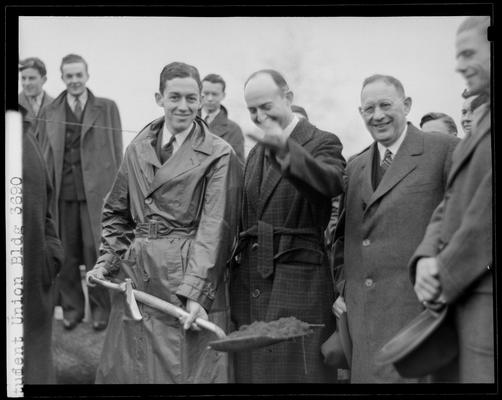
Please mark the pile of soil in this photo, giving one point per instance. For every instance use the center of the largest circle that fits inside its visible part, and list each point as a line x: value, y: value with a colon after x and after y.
x: 280, y: 328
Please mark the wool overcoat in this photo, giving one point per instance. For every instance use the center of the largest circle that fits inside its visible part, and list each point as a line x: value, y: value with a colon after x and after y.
x: 383, y: 227
x: 100, y: 150
x: 228, y: 130
x: 42, y: 259
x: 193, y: 198
x: 283, y: 269
x: 460, y: 237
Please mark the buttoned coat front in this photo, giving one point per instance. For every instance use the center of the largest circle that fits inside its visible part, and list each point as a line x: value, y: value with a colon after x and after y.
x: 100, y: 150
x: 383, y: 227
x: 275, y: 207
x: 195, y: 192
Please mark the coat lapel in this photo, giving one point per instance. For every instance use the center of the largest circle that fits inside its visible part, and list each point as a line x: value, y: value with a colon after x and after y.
x: 56, y: 115
x: 23, y: 100
x: 253, y: 175
x: 365, y: 180
x: 92, y: 110
x: 466, y: 147
x: 185, y: 159
x: 402, y: 164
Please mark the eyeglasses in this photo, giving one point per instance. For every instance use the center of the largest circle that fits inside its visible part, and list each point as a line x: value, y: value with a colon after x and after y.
x: 385, y: 105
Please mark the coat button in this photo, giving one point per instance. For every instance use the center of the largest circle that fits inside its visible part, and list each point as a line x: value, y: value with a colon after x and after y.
x: 148, y: 200
x: 256, y: 293
x: 254, y: 246
x: 366, y: 242
x: 368, y: 282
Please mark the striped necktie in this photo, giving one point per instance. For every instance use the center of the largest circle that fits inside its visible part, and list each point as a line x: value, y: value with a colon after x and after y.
x: 34, y: 105
x: 387, y: 160
x: 78, y: 108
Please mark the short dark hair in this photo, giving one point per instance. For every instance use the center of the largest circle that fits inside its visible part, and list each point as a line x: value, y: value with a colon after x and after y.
x: 432, y: 116
x: 214, y: 78
x: 480, y: 23
x: 73, y: 58
x: 275, y: 75
x: 178, y: 70
x: 35, y: 63
x: 390, y: 80
x: 299, y: 110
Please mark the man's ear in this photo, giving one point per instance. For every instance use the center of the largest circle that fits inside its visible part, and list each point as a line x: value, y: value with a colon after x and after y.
x: 44, y: 79
x: 407, y: 104
x: 159, y: 99
x: 290, y: 96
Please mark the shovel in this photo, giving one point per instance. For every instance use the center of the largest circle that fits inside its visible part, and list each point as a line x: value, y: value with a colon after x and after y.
x: 133, y: 295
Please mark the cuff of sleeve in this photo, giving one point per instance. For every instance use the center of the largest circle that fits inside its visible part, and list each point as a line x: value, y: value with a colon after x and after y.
x: 110, y: 262
x: 197, y: 289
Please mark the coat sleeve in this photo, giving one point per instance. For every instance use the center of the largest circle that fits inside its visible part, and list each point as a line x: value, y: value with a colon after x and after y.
x: 238, y: 141
x: 116, y: 133
x: 319, y: 173
x: 117, y: 222
x: 468, y: 254
x: 215, y: 235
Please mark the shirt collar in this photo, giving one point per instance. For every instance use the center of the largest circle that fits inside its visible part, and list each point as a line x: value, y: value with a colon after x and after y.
x: 394, y: 147
x: 38, y: 98
x: 292, y: 125
x: 204, y: 113
x: 179, y: 137
x: 71, y: 99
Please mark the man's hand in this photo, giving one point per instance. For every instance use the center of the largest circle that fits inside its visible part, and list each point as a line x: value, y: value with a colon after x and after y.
x: 97, y: 272
x: 195, y: 310
x: 339, y: 307
x: 271, y: 136
x: 427, y: 285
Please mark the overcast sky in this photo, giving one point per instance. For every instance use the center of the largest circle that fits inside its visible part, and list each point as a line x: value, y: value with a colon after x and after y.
x: 324, y: 60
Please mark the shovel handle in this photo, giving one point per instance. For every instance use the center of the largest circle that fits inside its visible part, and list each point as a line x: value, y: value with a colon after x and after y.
x: 162, y: 305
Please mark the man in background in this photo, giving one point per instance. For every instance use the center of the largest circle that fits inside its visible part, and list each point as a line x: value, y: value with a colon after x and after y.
x: 216, y: 115
x: 33, y: 97
x: 454, y: 262
x: 393, y: 186
x: 82, y: 141
x: 438, y: 122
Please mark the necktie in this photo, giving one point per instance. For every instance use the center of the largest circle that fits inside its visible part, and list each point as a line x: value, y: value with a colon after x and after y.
x: 78, y: 108
x: 167, y: 150
x: 387, y: 160
x: 34, y: 105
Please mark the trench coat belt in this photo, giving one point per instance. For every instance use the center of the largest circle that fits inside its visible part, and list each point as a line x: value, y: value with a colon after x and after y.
x: 156, y: 229
x: 265, y: 233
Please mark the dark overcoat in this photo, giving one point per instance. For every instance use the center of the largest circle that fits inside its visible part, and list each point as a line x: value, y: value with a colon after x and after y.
x: 228, y: 130
x: 194, y: 193
x: 42, y: 259
x: 30, y: 118
x: 383, y: 227
x: 460, y: 237
x: 283, y: 267
x: 100, y: 150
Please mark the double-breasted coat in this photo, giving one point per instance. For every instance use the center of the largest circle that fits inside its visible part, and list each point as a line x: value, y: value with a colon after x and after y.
x: 383, y: 227
x: 100, y: 150
x: 460, y: 237
x: 42, y: 259
x: 283, y: 269
x: 30, y: 118
x: 192, y: 199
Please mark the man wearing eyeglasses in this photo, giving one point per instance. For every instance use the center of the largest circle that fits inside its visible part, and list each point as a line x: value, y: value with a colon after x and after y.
x: 393, y: 187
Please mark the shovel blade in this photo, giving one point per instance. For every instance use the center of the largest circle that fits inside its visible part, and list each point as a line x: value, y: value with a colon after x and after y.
x: 132, y: 309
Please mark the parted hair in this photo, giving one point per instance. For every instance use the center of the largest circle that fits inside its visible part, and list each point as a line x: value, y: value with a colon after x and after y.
x: 214, y: 78
x: 35, y: 63
x: 390, y: 80
x: 178, y: 70
x: 450, y: 123
x: 73, y: 58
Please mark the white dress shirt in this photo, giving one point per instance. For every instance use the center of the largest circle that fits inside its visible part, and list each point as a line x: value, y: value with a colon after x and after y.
x: 394, y: 147
x: 179, y: 137
x: 211, y: 115
x: 82, y: 98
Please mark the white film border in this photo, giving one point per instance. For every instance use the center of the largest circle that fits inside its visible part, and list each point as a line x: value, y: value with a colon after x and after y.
x: 14, y: 252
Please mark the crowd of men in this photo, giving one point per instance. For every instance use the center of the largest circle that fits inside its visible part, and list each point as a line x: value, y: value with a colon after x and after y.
x: 290, y: 230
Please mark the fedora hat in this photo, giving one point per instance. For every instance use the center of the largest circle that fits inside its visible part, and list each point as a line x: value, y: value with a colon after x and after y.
x: 337, y: 349
x: 426, y: 344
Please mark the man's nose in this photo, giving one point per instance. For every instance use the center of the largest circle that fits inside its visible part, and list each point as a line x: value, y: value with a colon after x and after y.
x: 183, y: 105
x: 260, y: 116
x: 378, y: 114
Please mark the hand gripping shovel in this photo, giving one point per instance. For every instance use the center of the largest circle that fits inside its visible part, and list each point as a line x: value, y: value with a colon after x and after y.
x: 133, y: 295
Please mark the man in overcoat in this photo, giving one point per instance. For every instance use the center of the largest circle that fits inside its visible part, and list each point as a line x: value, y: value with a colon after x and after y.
x: 216, y: 115
x: 393, y: 186
x: 454, y: 262
x: 42, y: 260
x: 82, y: 140
x: 171, y: 215
x: 33, y: 98
x: 290, y: 177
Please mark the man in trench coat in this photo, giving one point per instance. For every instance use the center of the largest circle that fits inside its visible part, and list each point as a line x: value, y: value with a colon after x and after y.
x: 82, y: 140
x: 171, y: 215
x: 290, y: 177
x: 454, y: 262
x: 389, y: 200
